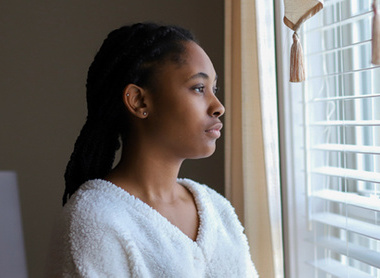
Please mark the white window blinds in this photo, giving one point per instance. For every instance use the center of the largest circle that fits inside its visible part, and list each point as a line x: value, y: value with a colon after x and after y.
x: 335, y: 135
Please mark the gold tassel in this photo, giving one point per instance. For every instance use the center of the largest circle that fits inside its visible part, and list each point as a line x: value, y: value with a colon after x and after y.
x: 297, y: 69
x: 375, y: 35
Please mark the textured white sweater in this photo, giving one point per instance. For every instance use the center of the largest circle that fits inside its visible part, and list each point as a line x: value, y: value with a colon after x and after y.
x: 106, y: 232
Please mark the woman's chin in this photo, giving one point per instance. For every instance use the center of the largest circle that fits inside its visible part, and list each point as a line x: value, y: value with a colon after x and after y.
x: 209, y: 151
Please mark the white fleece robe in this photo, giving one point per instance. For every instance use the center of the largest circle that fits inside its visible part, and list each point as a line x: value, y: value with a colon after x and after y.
x: 104, y: 231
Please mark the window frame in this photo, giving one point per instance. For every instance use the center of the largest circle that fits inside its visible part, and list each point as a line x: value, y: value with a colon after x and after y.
x: 290, y: 171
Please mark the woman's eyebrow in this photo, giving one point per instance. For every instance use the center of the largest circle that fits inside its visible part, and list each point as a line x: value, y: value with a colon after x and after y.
x: 202, y: 75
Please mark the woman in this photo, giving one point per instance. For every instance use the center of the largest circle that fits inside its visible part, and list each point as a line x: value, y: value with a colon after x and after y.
x: 154, y: 87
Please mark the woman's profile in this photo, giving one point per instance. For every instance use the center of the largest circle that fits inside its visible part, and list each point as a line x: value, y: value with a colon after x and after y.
x: 151, y: 90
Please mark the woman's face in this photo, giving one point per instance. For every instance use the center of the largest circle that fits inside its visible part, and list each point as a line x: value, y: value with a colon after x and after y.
x: 184, y: 117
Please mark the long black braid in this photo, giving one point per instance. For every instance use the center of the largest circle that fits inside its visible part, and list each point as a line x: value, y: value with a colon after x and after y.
x: 129, y: 55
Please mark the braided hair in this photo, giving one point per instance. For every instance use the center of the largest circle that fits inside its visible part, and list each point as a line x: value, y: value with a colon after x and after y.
x: 129, y: 55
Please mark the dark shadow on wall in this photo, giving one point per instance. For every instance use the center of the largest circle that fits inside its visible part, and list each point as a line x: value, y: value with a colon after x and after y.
x: 46, y: 48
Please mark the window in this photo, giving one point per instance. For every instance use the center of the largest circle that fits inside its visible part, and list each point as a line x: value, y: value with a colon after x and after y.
x: 331, y: 146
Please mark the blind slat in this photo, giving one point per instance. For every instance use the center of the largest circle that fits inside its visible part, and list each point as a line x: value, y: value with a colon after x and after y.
x: 348, y: 173
x: 335, y: 268
x: 348, y: 148
x: 349, y: 199
x: 356, y: 252
x: 346, y: 123
x: 353, y: 97
x: 346, y: 21
x: 331, y: 3
x: 336, y: 50
x: 341, y: 73
x: 349, y: 224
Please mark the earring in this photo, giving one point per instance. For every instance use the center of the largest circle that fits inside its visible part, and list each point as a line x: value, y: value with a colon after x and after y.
x: 127, y: 95
x: 144, y: 113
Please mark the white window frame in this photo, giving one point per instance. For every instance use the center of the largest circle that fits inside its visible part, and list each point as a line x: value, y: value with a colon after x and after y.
x: 292, y: 173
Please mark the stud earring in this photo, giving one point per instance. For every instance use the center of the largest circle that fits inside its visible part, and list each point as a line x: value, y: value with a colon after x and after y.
x: 144, y: 113
x: 127, y: 95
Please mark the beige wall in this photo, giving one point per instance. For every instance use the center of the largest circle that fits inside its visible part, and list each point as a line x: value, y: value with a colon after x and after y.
x: 45, y: 50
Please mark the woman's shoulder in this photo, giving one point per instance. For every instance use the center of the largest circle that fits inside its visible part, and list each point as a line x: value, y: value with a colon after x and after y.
x: 93, y: 190
x: 95, y: 199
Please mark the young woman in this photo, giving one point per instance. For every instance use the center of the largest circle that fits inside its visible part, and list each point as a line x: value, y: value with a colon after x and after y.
x: 154, y: 87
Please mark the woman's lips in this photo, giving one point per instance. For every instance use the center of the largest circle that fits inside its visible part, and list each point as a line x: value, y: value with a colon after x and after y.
x: 214, y: 130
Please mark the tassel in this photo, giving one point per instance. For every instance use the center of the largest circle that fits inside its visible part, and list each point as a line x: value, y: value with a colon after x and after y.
x: 375, y: 35
x: 297, y: 69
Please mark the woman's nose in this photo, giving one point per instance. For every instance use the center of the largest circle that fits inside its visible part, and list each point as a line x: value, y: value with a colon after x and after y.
x: 216, y: 108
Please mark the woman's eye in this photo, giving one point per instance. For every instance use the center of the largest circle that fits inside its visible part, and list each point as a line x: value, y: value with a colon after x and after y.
x: 215, y: 89
x: 199, y: 89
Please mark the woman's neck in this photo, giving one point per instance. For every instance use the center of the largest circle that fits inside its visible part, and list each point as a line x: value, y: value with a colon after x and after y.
x: 147, y: 173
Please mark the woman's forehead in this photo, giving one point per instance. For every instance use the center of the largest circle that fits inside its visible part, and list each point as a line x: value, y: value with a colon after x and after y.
x: 195, y: 64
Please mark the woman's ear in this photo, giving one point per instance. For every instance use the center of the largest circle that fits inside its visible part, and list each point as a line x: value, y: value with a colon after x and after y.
x: 135, y: 99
